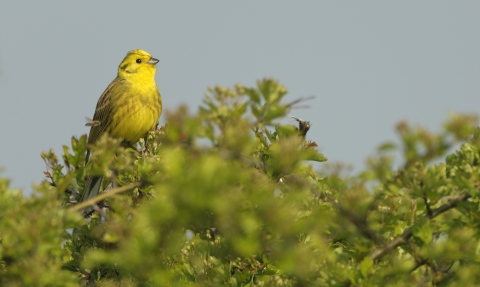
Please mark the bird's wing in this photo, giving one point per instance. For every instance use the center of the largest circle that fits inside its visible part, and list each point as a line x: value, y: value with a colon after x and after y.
x: 103, y: 111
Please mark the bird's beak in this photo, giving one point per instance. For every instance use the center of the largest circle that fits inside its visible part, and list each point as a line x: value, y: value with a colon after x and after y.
x: 153, y: 61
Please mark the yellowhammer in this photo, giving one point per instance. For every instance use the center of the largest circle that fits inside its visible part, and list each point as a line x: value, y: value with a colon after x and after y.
x: 129, y: 107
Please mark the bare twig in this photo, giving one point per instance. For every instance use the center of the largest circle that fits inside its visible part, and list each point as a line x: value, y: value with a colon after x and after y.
x: 402, y: 239
x: 299, y: 100
x: 104, y: 195
x: 429, y: 210
x: 418, y: 264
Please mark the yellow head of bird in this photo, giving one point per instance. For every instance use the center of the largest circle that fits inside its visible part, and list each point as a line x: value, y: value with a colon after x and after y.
x: 137, y: 63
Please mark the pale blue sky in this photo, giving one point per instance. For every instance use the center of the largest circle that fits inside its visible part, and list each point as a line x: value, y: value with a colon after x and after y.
x: 369, y: 64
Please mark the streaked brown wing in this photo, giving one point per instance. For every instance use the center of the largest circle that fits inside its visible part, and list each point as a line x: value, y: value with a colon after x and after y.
x: 103, y: 112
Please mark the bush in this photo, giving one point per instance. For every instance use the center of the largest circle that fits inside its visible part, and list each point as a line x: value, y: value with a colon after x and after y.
x: 227, y: 197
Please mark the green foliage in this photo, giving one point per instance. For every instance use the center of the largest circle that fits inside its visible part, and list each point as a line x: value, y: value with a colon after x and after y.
x: 32, y: 233
x: 230, y: 198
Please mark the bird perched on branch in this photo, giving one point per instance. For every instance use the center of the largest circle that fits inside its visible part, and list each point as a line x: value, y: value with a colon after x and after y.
x: 128, y: 108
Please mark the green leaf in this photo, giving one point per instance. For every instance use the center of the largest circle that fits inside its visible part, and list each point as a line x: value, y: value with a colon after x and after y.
x: 365, y: 266
x: 253, y: 94
x: 423, y: 230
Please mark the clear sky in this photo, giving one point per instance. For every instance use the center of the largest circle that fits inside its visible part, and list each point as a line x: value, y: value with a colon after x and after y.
x: 369, y: 64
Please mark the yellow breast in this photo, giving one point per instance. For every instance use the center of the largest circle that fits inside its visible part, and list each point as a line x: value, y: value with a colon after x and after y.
x: 137, y: 112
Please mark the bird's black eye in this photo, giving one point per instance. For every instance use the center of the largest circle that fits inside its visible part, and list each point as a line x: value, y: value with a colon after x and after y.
x: 138, y: 61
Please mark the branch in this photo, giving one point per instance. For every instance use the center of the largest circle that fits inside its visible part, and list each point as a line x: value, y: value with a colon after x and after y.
x: 104, y: 195
x: 377, y: 254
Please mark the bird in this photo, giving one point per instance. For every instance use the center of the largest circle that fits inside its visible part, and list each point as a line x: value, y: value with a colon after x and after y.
x: 128, y: 109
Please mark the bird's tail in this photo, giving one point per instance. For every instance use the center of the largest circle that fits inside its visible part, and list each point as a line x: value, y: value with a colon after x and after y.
x: 92, y: 188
